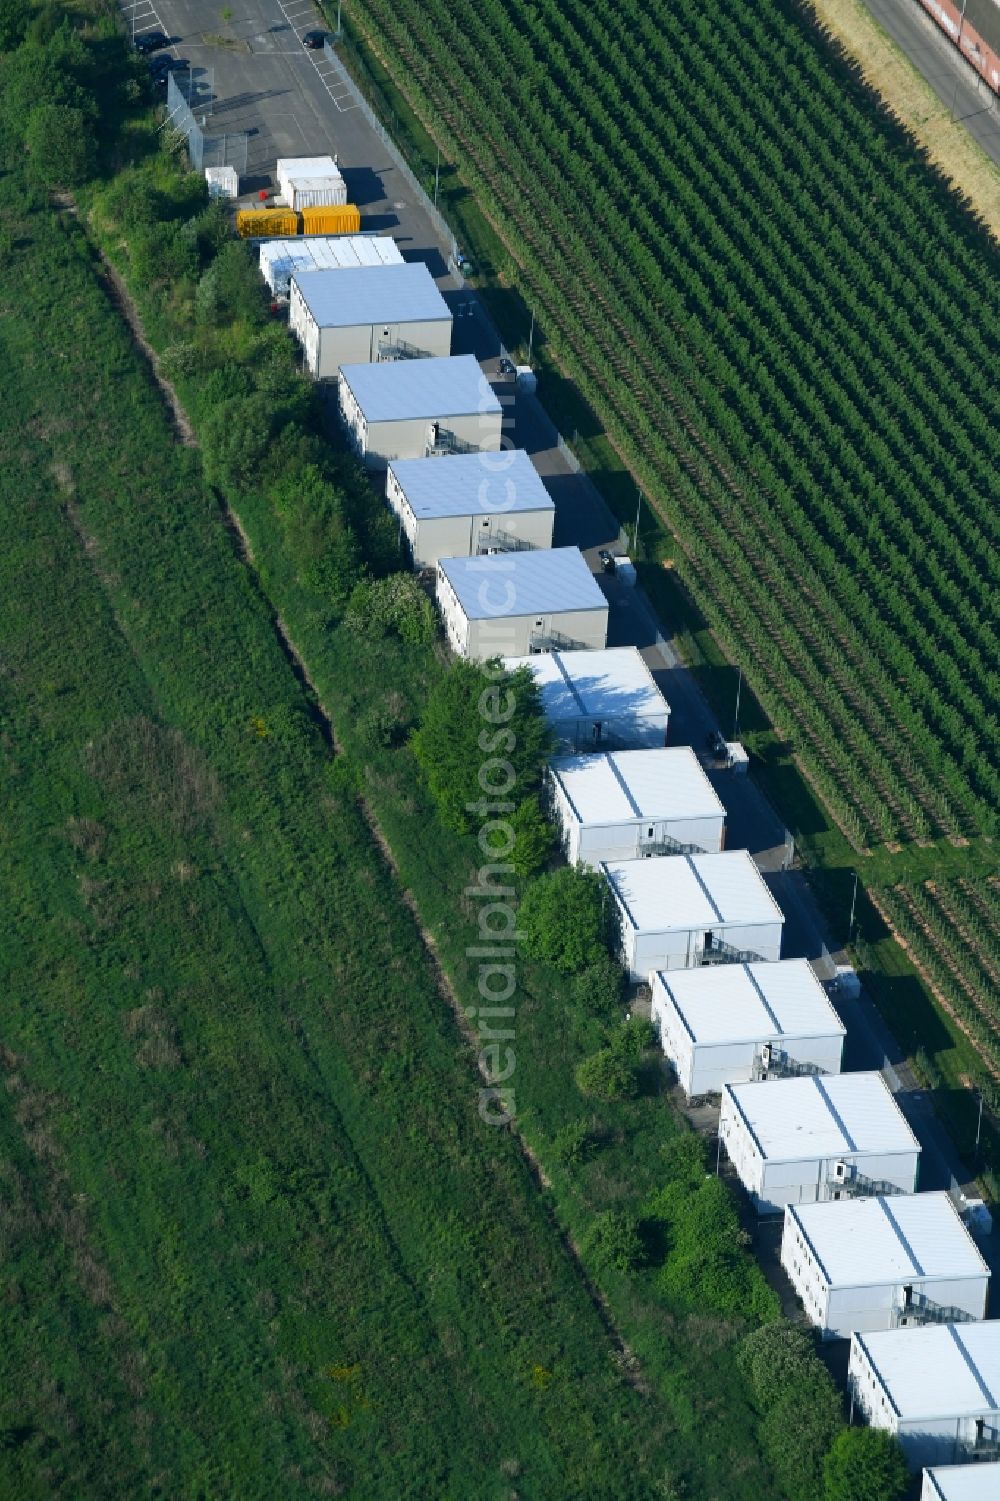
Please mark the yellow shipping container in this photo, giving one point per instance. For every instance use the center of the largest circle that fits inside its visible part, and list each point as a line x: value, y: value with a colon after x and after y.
x: 265, y: 223
x: 332, y: 219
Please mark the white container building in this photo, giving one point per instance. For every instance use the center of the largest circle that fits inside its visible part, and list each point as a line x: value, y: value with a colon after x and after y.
x: 280, y: 258
x: 975, y: 1482
x: 511, y: 603
x: 412, y: 409
x: 684, y: 910
x: 796, y: 1141
x: 310, y: 182
x: 860, y: 1265
x: 470, y: 503
x: 937, y: 1389
x: 730, y: 1023
x: 367, y: 313
x: 624, y: 805
x: 222, y: 182
x: 599, y: 700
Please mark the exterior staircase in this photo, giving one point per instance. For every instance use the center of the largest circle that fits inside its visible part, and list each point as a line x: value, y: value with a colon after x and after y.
x: 554, y: 641
x: 725, y: 953
x: 448, y: 443
x: 504, y: 542
x: 665, y: 845
x: 923, y: 1310
x: 777, y: 1064
x: 401, y: 350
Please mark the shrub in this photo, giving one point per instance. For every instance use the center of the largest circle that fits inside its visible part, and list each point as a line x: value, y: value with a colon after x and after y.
x: 572, y: 1143
x: 614, y: 1241
x: 392, y: 606
x: 13, y: 24
x: 800, y: 1405
x: 59, y: 141
x: 864, y: 1464
x: 534, y: 837
x: 597, y: 990
x: 607, y: 1075
x: 482, y: 742
x: 235, y: 436
x: 709, y: 1265
x: 563, y: 919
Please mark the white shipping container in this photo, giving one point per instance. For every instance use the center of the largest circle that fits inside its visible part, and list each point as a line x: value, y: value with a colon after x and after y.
x: 223, y: 182
x: 310, y: 182
x: 280, y: 259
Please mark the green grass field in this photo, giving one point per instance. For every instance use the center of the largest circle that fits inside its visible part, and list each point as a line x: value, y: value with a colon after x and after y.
x: 262, y: 1241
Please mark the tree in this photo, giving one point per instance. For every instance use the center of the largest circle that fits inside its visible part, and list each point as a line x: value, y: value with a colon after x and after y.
x: 482, y: 744
x: 14, y: 17
x: 235, y: 436
x: 563, y: 919
x: 709, y: 1264
x: 60, y: 144
x: 597, y: 990
x: 534, y: 837
x: 614, y: 1241
x: 864, y: 1464
x: 607, y: 1075
x: 392, y: 606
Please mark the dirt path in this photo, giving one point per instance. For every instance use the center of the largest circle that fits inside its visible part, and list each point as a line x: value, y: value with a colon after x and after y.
x: 912, y: 100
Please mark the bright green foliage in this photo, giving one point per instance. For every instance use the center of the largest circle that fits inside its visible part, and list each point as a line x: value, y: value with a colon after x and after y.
x: 572, y: 1143
x: 800, y: 1406
x: 395, y: 605
x: 482, y: 740
x: 608, y: 1074
x: 864, y: 1464
x: 60, y: 145
x: 614, y: 1241
x: 534, y: 837
x: 597, y: 990
x: 563, y: 919
x: 709, y: 1265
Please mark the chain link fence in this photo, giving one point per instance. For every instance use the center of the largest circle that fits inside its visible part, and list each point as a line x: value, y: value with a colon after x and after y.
x: 189, y: 104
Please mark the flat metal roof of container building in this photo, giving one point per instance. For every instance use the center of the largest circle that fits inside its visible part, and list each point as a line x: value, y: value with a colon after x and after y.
x: 978, y: 1482
x: 622, y: 786
x: 838, y: 1115
x: 353, y: 296
x: 867, y: 1242
x: 575, y: 684
x: 467, y: 484
x: 677, y: 893
x: 306, y: 170
x: 546, y: 581
x: 428, y: 390
x: 728, y: 1003
x: 939, y: 1370
x: 329, y: 252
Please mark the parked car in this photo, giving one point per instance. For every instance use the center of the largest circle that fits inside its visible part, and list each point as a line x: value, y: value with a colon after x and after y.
x: 506, y: 366
x: 314, y: 40
x: 716, y: 743
x: 150, y: 41
x: 607, y: 558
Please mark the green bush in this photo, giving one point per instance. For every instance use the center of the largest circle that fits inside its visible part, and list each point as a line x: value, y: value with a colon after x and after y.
x: 597, y: 990
x: 563, y: 919
x: 607, y: 1074
x: 864, y: 1464
x: 709, y: 1264
x: 614, y: 1241
x: 800, y: 1406
x: 482, y: 742
x: 235, y: 436
x: 392, y: 606
x: 59, y: 142
x: 572, y: 1143
x: 534, y: 837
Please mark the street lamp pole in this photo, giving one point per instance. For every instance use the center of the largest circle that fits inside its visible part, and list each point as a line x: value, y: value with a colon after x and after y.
x: 635, y: 539
x: 854, y: 897
x: 437, y: 177
x: 736, y: 716
x: 531, y: 335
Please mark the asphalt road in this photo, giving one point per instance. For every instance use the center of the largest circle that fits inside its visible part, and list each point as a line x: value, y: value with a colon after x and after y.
x: 296, y: 103
x: 968, y: 97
